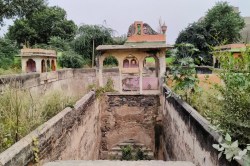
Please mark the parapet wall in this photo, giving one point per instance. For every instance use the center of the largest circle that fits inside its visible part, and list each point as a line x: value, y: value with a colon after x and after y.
x: 70, y: 81
x: 187, y: 136
x: 73, y: 134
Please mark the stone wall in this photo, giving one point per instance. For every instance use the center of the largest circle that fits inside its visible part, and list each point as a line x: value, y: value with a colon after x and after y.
x: 128, y: 117
x: 70, y: 81
x: 186, y: 135
x: 112, y: 73
x: 72, y: 134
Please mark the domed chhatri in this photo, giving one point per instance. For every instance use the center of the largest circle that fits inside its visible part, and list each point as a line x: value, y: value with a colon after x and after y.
x: 141, y: 60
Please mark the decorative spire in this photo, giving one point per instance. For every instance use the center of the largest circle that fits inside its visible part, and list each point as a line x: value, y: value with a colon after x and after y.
x: 164, y: 28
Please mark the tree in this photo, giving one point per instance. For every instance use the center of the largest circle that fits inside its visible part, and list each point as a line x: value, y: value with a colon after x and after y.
x: 224, y: 23
x: 220, y: 25
x: 185, y: 50
x: 70, y: 59
x: 59, y: 44
x: 89, y: 37
x: 8, y: 50
x: 25, y: 8
x: 41, y: 26
x: 200, y: 38
x: 184, y: 76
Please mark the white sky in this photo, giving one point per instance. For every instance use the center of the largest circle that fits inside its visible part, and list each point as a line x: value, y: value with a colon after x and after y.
x: 120, y: 14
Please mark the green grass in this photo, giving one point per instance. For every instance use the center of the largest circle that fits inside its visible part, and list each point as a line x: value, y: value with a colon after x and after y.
x: 152, y: 60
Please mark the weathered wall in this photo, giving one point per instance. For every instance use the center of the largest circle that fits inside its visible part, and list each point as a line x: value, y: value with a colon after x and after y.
x: 186, y: 135
x: 72, y: 134
x: 112, y: 73
x: 70, y: 81
x: 125, y: 117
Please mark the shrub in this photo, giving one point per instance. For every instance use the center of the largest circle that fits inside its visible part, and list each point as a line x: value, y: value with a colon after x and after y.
x: 70, y: 59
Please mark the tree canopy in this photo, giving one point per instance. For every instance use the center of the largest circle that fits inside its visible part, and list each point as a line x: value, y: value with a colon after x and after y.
x: 221, y: 25
x: 8, y: 50
x: 70, y: 59
x: 224, y: 23
x: 86, y: 34
x: 41, y: 26
x: 25, y: 8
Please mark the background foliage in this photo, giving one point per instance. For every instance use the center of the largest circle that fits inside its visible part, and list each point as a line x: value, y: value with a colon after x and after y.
x: 41, y: 25
x: 221, y: 24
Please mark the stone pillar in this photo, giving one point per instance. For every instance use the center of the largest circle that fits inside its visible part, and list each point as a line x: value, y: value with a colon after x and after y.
x: 38, y: 64
x: 24, y: 63
x: 100, y: 75
x: 140, y: 72
x: 162, y: 63
x: 162, y: 68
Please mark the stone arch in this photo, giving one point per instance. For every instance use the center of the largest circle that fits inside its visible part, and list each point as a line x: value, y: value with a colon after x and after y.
x: 125, y: 63
x: 150, y: 77
x: 110, y: 61
x: 30, y: 66
x: 134, y: 63
x: 43, y: 66
x: 130, y: 62
x: 151, y: 65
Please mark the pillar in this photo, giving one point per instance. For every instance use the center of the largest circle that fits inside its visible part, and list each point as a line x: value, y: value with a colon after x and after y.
x: 100, y: 75
x: 140, y: 72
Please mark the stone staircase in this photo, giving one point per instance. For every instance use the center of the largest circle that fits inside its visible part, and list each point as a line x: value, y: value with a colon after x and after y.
x: 119, y: 163
x: 116, y: 152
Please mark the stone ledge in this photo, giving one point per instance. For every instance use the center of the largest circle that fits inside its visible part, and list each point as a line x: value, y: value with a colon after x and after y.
x: 119, y: 163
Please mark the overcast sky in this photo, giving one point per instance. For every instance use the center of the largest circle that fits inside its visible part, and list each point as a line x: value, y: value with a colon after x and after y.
x: 119, y: 14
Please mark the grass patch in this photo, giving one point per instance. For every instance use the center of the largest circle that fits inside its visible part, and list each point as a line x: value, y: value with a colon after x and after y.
x: 152, y: 60
x: 10, y: 71
x: 20, y: 112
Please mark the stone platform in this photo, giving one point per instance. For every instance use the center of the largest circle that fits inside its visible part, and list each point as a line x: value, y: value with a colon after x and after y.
x: 118, y: 163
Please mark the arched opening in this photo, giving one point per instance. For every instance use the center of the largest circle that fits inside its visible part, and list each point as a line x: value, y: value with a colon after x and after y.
x: 130, y: 62
x: 125, y: 63
x: 30, y: 66
x: 53, y: 65
x: 134, y: 63
x: 43, y: 66
x: 150, y: 80
x: 48, y: 65
x: 151, y: 66
x: 110, y: 62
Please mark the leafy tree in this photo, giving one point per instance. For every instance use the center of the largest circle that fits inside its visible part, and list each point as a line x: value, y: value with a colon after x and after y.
x: 224, y: 23
x: 25, y: 8
x: 110, y: 61
x: 220, y: 25
x: 70, y: 59
x: 184, y: 76
x: 89, y: 36
x: 59, y: 44
x: 200, y: 38
x: 41, y: 26
x: 184, y: 50
x: 8, y: 50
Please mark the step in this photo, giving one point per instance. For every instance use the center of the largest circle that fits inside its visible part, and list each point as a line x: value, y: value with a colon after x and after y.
x: 118, y: 163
